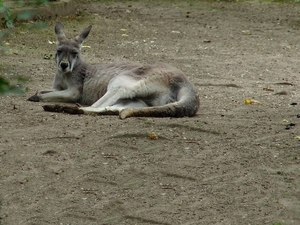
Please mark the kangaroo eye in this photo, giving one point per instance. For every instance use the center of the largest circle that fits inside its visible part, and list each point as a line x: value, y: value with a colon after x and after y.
x: 59, y: 51
x: 74, y: 53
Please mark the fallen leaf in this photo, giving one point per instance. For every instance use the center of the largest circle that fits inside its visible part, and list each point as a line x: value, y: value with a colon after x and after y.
x: 153, y: 136
x: 48, y: 56
x: 268, y: 89
x: 249, y: 101
x: 247, y: 32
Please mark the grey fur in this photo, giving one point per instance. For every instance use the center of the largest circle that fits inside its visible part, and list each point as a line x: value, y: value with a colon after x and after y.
x: 124, y: 88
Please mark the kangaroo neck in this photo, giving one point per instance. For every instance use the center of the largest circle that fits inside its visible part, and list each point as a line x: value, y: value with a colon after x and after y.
x: 80, y: 65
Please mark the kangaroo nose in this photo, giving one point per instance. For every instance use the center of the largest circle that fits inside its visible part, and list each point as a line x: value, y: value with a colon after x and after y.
x: 64, y: 65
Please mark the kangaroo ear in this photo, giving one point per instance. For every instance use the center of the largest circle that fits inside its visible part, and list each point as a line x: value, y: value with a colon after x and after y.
x: 59, y: 31
x: 80, y: 38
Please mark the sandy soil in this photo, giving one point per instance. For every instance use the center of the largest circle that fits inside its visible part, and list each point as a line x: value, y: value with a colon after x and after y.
x: 231, y: 164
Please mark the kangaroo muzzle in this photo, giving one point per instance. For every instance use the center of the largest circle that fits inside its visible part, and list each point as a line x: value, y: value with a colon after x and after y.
x: 64, y: 65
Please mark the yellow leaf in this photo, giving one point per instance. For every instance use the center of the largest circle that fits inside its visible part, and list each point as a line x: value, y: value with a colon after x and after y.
x: 249, y: 101
x: 153, y: 136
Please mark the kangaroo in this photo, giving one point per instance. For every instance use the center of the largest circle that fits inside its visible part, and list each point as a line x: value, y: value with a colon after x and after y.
x: 127, y: 89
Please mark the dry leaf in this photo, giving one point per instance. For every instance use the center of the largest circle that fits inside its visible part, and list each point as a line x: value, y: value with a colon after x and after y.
x: 249, y: 101
x: 153, y: 136
x: 268, y: 89
x: 247, y: 32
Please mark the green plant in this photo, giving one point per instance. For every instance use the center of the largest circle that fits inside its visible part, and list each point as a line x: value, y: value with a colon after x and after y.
x: 8, y: 20
x: 6, y: 87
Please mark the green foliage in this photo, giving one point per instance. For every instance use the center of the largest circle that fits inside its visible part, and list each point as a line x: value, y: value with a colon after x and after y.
x: 6, y: 88
x: 8, y: 18
x: 8, y: 21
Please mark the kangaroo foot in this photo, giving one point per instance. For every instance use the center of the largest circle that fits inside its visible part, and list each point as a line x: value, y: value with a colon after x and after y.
x: 63, y: 109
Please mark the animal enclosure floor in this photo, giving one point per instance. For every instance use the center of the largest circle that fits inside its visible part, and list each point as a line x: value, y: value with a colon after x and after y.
x: 233, y: 163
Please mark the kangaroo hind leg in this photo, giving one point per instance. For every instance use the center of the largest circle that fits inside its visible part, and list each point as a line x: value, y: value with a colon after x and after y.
x: 121, y: 87
x: 116, y: 108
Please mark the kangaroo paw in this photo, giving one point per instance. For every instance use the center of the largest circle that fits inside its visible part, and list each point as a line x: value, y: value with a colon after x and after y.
x: 34, y: 98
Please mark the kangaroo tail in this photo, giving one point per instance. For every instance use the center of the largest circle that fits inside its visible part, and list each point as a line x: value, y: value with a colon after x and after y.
x: 187, y: 104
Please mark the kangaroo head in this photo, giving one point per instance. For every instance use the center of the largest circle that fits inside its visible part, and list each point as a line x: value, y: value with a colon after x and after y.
x: 68, y: 50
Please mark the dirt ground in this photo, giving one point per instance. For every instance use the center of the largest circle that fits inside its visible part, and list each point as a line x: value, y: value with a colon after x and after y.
x: 230, y: 164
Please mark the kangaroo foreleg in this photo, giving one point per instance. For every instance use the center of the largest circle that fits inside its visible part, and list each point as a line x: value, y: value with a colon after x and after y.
x: 69, y: 95
x: 36, y: 98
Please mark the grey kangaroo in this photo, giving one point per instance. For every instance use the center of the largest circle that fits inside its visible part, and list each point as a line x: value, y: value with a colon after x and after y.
x: 126, y: 89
